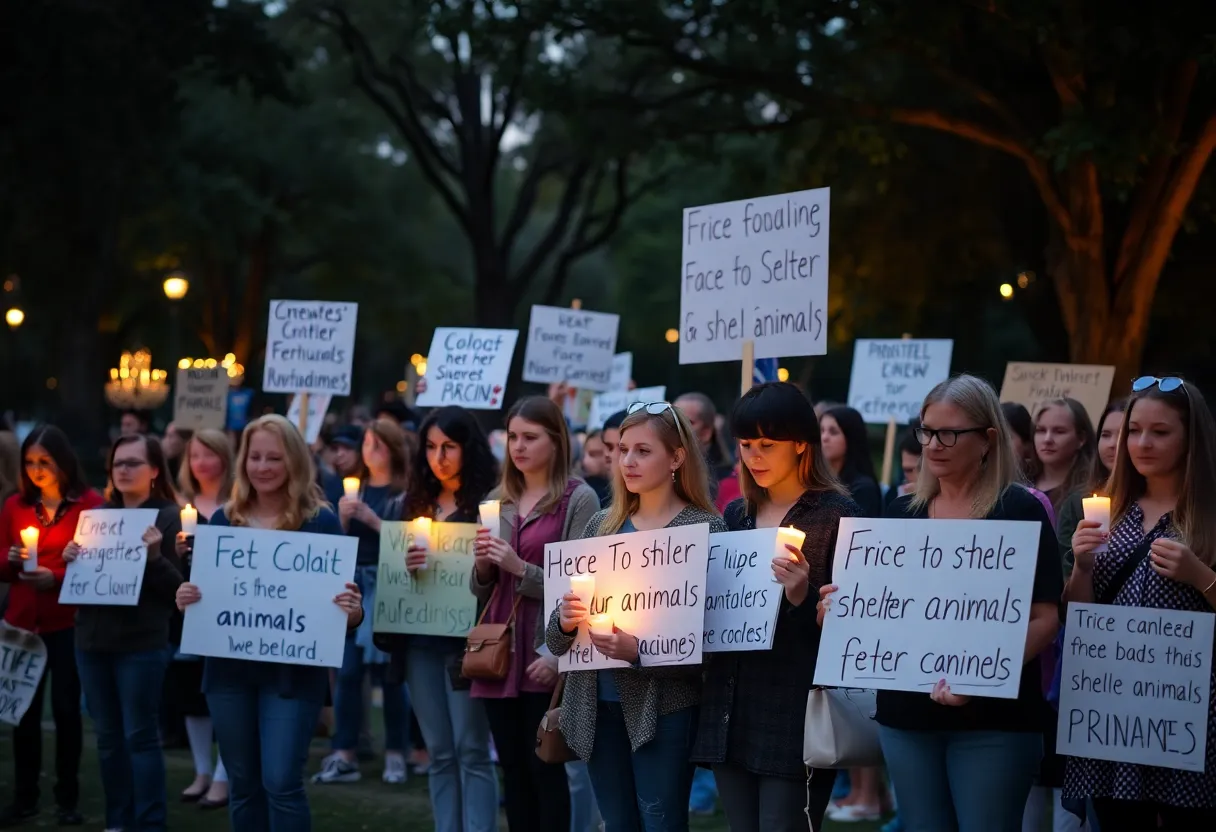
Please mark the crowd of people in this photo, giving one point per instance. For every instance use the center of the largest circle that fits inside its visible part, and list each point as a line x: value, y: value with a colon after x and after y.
x: 652, y: 744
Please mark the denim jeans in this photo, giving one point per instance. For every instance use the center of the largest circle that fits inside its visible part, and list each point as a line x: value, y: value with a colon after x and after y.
x: 122, y: 691
x: 644, y: 790
x: 264, y: 739
x: 348, y: 703
x: 584, y: 812
x: 961, y: 781
x: 462, y: 779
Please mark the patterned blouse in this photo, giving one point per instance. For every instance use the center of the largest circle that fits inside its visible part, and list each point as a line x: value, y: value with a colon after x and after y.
x: 1146, y: 588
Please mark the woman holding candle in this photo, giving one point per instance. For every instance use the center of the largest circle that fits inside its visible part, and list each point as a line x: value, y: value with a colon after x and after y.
x: 751, y: 699
x: 1065, y: 447
x: 53, y: 493
x: 453, y: 473
x: 967, y: 762
x: 376, y: 494
x: 635, y: 726
x: 1160, y: 554
x: 122, y: 651
x: 540, y: 504
x: 265, y: 712
x: 204, y: 482
x: 1073, y: 509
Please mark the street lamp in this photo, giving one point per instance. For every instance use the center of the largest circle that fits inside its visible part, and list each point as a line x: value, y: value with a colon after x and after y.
x: 14, y: 318
x: 176, y: 286
x: 672, y: 336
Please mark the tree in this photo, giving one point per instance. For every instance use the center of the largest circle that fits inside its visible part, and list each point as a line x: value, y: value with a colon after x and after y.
x: 1110, y: 109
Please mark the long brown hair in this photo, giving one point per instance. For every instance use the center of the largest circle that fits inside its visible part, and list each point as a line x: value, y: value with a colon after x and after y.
x: 1192, y: 519
x: 162, y: 480
x: 216, y: 442
x: 540, y: 410
x: 1099, y: 477
x: 304, y: 498
x: 691, y: 478
x: 391, y: 435
x: 1083, y: 462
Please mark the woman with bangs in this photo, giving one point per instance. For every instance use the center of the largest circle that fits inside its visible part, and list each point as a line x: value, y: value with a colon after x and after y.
x: 960, y: 762
x: 634, y: 726
x: 265, y: 712
x: 751, y: 699
x: 1161, y: 550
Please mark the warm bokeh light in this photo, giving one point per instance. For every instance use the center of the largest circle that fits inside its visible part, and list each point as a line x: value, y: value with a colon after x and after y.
x: 402, y: 387
x: 176, y: 287
x: 14, y: 317
x: 1006, y: 290
x: 420, y: 368
x: 672, y: 336
x: 783, y: 374
x: 416, y: 359
x: 184, y: 364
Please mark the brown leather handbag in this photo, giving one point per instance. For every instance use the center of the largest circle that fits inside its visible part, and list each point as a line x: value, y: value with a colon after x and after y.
x: 488, y: 647
x: 550, y: 742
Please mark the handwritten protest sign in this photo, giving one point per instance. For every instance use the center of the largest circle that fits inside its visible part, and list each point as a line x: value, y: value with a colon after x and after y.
x: 468, y: 367
x: 1135, y: 684
x: 318, y: 406
x: 742, y: 597
x: 606, y: 404
x: 434, y: 601
x: 113, y: 557
x: 622, y: 372
x: 923, y: 600
x: 892, y: 376
x: 310, y: 347
x: 22, y: 663
x: 1033, y: 385
x: 268, y: 596
x: 200, y: 398
x: 574, y: 346
x: 755, y: 269
x: 650, y: 584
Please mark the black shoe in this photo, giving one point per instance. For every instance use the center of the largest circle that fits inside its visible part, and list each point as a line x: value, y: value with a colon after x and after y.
x: 15, y: 815
x: 70, y: 817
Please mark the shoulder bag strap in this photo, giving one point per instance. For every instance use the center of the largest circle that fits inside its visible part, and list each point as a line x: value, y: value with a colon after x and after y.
x: 1125, y: 572
x: 556, y: 699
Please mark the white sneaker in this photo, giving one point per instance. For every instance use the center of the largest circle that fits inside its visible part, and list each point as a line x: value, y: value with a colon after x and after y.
x: 334, y: 769
x: 854, y: 814
x: 394, y: 770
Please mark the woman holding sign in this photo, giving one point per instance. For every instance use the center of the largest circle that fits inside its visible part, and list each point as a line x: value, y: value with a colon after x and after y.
x: 1160, y: 553
x: 122, y: 651
x: 541, y: 503
x: 265, y: 712
x: 961, y: 762
x: 635, y: 726
x: 751, y: 699
x: 53, y: 494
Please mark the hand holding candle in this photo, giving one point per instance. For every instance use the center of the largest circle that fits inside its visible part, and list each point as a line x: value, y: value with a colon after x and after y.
x: 791, y: 536
x: 490, y: 512
x: 584, y: 587
x: 1097, y: 510
x: 420, y: 530
x: 600, y: 624
x: 189, y: 516
x: 29, y: 540
x: 350, y: 487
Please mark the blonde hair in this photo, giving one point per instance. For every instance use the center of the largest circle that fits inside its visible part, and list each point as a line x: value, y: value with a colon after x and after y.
x: 217, y: 442
x: 392, y: 436
x: 540, y: 410
x: 1083, y: 463
x: 691, y: 478
x: 998, y: 470
x: 304, y: 498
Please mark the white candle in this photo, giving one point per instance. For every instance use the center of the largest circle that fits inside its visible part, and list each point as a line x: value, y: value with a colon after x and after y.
x: 350, y: 486
x: 29, y: 540
x: 189, y: 519
x: 490, y: 513
x: 792, y: 536
x: 420, y: 528
x: 600, y: 624
x: 1097, y: 509
x: 584, y: 587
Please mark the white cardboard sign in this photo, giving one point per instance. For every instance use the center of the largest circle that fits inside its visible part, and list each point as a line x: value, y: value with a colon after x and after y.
x: 622, y: 372
x: 1033, y: 385
x: 268, y: 596
x: 318, y: 406
x: 742, y: 597
x: 310, y: 347
x: 755, y: 269
x: 892, y: 376
x: 468, y: 367
x: 200, y: 398
x: 22, y: 663
x: 113, y: 557
x: 570, y: 345
x: 924, y: 600
x: 1135, y: 683
x: 606, y: 404
x: 651, y: 583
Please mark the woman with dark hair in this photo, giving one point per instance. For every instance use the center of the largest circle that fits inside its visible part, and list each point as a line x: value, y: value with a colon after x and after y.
x: 750, y: 699
x: 1021, y: 438
x: 122, y: 651
x: 1072, y: 511
x: 53, y: 493
x: 846, y: 447
x: 453, y: 473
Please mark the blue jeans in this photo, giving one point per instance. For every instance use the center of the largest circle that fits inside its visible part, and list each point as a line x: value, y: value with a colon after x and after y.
x: 961, y: 781
x: 462, y: 779
x: 264, y: 739
x: 348, y: 703
x: 584, y: 813
x: 123, y: 691
x: 644, y: 790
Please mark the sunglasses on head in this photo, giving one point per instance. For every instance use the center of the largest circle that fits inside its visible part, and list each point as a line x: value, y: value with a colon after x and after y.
x: 657, y: 409
x: 1167, y: 384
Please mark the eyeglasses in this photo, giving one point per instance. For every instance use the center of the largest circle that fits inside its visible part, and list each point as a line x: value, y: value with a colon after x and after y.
x: 1168, y: 384
x: 658, y: 409
x: 128, y: 464
x: 946, y: 437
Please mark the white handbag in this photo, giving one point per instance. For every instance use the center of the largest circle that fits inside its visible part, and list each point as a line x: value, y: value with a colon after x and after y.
x: 840, y: 731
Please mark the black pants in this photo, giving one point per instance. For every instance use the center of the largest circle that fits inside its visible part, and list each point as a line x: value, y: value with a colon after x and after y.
x: 65, y: 707
x: 1138, y: 816
x: 757, y: 803
x: 537, y: 793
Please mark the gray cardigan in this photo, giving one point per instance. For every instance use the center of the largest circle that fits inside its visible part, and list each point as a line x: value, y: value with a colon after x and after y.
x: 646, y: 693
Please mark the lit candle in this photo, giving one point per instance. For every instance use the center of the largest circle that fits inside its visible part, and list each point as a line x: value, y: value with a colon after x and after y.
x: 584, y: 587
x: 792, y: 536
x: 350, y: 485
x: 1098, y: 509
x: 600, y: 624
x: 489, y: 512
x: 420, y: 528
x: 29, y: 539
x: 189, y: 519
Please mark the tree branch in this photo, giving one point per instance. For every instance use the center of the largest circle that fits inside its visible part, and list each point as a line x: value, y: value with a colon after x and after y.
x: 523, y: 276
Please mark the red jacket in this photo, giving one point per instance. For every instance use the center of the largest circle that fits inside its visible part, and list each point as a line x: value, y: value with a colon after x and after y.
x: 29, y: 609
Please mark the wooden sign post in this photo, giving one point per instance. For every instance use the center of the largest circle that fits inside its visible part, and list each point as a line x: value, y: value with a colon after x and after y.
x: 888, y: 448
x: 748, y: 377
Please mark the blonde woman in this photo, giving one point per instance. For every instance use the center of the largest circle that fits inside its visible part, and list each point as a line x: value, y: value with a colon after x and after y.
x: 265, y: 712
x: 960, y: 762
x: 635, y: 726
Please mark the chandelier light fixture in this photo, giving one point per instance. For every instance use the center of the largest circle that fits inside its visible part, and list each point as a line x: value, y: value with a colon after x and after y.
x: 134, y: 385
